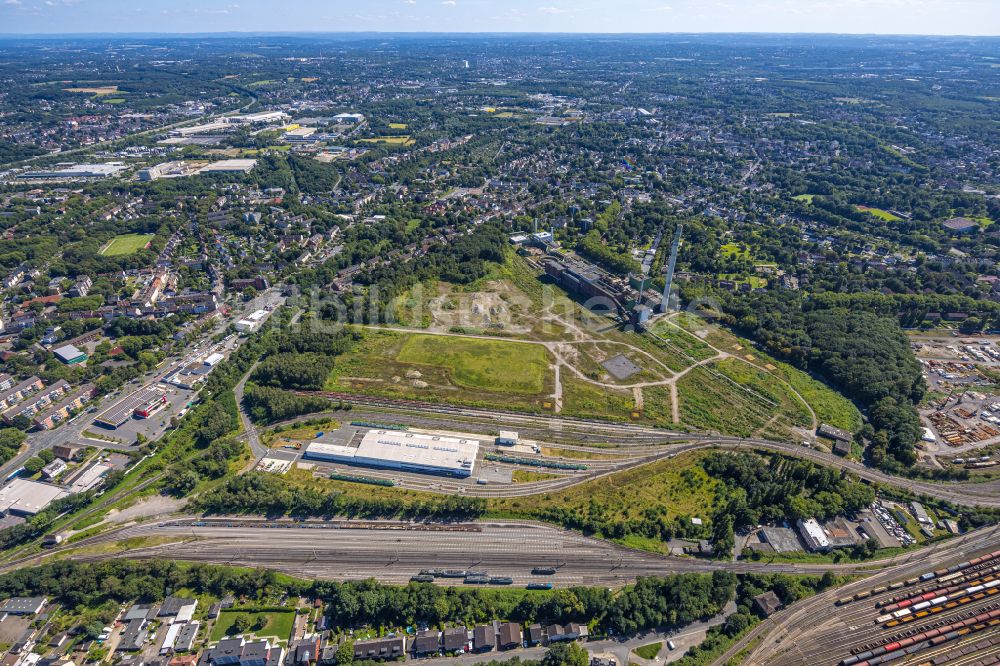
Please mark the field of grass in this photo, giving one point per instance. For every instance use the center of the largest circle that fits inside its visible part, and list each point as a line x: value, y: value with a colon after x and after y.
x: 468, y: 371
x: 735, y: 251
x: 96, y: 90
x: 808, y: 198
x: 649, y: 651
x: 674, y: 487
x: 398, y: 126
x: 755, y: 281
x: 657, y: 406
x: 309, y: 431
x: 279, y: 623
x: 403, y: 140
x: 829, y: 405
x: 735, y: 398
x: 682, y: 340
x: 879, y: 213
x: 529, y: 476
x: 586, y: 400
x: 483, y: 364
x: 126, y: 244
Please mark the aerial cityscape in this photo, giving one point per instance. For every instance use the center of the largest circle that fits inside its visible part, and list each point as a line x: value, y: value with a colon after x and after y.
x: 580, y: 346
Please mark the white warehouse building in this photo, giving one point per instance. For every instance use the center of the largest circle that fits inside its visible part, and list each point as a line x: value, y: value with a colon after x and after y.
x: 405, y: 451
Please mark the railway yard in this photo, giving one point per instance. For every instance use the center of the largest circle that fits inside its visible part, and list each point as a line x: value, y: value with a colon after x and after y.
x: 911, y: 615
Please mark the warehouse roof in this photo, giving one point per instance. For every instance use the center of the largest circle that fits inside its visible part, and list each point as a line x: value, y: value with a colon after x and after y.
x: 28, y: 497
x: 418, y: 448
x: 404, y: 450
x: 122, y: 410
x: 23, y: 605
x: 68, y: 353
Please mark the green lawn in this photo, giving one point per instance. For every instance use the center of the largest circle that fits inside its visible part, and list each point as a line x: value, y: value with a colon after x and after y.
x: 879, y: 213
x: 279, y: 623
x: 808, y: 198
x: 735, y: 250
x: 755, y: 281
x: 126, y: 244
x: 509, y: 367
x: 649, y: 651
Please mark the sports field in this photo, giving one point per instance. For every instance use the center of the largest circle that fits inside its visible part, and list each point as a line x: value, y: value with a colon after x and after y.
x: 496, y: 365
x: 96, y: 90
x: 126, y: 244
x: 403, y: 140
x: 879, y: 213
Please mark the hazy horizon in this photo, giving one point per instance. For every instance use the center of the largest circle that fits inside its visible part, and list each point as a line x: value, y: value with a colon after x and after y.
x: 946, y: 18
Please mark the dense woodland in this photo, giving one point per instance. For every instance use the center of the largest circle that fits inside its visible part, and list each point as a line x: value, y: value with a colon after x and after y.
x: 861, y: 353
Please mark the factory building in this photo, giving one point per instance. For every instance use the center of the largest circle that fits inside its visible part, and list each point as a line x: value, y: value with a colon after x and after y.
x: 252, y: 322
x: 75, y: 171
x: 404, y: 451
x: 22, y: 497
x: 121, y: 412
x: 70, y: 355
x: 586, y: 280
x: 229, y: 166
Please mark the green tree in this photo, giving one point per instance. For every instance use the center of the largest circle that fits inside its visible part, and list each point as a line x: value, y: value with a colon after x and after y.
x: 345, y: 652
x: 241, y: 624
x: 565, y: 654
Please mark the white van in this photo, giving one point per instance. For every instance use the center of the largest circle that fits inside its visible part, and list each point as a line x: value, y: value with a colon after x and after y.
x: 670, y: 645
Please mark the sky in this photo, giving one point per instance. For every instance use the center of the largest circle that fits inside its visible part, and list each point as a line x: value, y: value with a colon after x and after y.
x: 942, y: 17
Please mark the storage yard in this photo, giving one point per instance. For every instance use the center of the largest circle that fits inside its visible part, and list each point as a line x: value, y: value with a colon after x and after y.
x: 950, y: 615
x: 963, y: 413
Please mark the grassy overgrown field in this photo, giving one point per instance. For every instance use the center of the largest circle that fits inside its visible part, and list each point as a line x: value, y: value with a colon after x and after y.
x: 682, y: 340
x: 126, y: 244
x: 733, y: 397
x: 669, y: 488
x: 468, y: 371
x: 403, y: 140
x: 829, y: 405
x: 481, y: 364
x: 583, y: 399
x: 749, y: 394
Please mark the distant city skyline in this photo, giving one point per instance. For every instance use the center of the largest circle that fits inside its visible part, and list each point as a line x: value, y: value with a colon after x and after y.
x: 930, y: 17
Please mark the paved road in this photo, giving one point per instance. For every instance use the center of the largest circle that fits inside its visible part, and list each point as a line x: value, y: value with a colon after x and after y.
x: 249, y: 429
